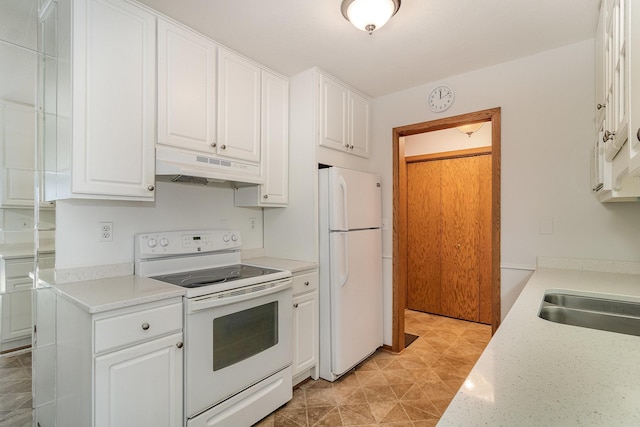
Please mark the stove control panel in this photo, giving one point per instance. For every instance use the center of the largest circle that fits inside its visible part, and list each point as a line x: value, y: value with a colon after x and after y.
x: 168, y: 243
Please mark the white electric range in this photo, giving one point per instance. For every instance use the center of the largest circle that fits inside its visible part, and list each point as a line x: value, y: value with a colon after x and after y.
x: 237, y: 324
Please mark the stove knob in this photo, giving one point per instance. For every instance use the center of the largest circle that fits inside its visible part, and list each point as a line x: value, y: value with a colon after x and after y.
x: 152, y: 243
x: 225, y: 238
x: 234, y: 237
x: 164, y: 242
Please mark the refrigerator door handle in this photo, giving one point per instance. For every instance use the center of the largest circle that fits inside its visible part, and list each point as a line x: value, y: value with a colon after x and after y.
x: 339, y: 259
x: 345, y: 270
x: 345, y: 208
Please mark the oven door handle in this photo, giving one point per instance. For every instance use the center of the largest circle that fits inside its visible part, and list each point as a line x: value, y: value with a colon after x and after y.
x: 237, y: 295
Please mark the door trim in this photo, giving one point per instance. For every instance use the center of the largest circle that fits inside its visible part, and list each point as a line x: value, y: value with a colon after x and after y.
x: 400, y: 225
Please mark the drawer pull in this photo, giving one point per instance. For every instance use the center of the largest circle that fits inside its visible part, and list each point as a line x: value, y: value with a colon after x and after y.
x: 179, y: 344
x: 145, y: 326
x: 295, y: 305
x: 306, y: 283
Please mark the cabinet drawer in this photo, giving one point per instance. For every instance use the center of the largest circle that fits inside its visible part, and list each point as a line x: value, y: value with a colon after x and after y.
x: 15, y: 285
x: 18, y: 267
x: 305, y: 282
x: 138, y: 326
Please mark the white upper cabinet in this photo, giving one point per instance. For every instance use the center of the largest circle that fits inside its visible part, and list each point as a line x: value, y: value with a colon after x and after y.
x: 359, y: 124
x: 333, y: 114
x: 186, y: 89
x: 275, y: 147
x: 238, y: 107
x: 633, y: 74
x: 17, y: 145
x: 344, y: 118
x: 106, y: 101
x: 616, y: 165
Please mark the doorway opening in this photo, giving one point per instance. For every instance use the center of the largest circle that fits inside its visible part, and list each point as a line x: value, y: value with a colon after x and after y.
x: 491, y: 260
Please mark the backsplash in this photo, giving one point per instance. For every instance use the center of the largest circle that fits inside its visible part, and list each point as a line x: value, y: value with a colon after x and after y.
x: 177, y: 207
x: 604, y: 266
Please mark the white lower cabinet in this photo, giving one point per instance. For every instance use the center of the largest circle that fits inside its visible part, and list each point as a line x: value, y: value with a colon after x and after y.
x: 16, y: 287
x: 305, y: 327
x: 120, y: 368
x: 140, y: 385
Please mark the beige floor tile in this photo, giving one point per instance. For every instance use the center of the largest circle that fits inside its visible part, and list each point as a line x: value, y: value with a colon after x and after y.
x: 411, y: 389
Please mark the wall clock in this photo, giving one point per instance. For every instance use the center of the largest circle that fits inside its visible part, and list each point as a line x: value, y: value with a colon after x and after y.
x: 440, y: 98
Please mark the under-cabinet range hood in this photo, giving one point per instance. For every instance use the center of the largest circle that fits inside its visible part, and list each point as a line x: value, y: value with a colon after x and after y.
x: 184, y: 166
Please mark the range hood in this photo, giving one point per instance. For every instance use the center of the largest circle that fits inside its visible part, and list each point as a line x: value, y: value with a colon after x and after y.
x: 178, y: 165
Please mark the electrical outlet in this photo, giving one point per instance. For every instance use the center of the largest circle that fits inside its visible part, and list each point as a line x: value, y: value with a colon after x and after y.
x: 105, y: 232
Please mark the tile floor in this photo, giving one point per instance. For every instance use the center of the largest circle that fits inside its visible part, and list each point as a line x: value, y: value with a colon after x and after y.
x: 15, y: 389
x: 410, y: 389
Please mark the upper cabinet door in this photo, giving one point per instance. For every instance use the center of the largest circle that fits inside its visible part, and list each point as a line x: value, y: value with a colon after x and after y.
x: 333, y: 114
x: 114, y: 86
x: 344, y: 118
x: 275, y: 139
x: 359, y: 125
x: 238, y: 107
x: 186, y: 89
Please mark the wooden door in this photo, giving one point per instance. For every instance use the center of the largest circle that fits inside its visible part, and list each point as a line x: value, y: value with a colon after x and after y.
x: 459, y: 236
x: 449, y: 237
x: 423, y: 239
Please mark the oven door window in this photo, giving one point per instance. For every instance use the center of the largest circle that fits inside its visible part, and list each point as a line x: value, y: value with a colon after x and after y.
x: 238, y: 336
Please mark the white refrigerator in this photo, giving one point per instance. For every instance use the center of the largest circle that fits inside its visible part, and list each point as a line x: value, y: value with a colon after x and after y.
x: 350, y: 269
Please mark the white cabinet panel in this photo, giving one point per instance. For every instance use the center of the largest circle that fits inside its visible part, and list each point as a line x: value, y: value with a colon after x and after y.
x: 238, y: 107
x: 274, y: 147
x: 359, y: 124
x: 106, y: 102
x: 333, y: 114
x: 186, y: 89
x: 140, y: 386
x: 616, y: 165
x: 305, y: 332
x: 344, y: 118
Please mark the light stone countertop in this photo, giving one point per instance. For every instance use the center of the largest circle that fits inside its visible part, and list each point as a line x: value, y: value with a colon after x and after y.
x: 294, y: 266
x: 540, y: 373
x: 95, y: 296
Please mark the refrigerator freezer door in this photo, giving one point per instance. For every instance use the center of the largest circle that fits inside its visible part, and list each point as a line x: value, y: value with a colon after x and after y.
x: 356, y: 297
x: 354, y: 199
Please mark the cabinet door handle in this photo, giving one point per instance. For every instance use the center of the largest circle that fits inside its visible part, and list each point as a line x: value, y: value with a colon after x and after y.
x: 306, y: 283
x: 214, y: 145
x: 608, y: 135
x: 638, y: 134
x: 223, y: 146
x: 179, y: 344
x: 601, y: 106
x: 145, y: 326
x: 266, y: 196
x: 351, y: 147
x: 151, y: 188
x: 295, y: 305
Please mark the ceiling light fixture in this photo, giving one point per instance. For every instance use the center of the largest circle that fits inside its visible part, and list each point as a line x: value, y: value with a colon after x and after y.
x: 470, y: 129
x: 369, y: 15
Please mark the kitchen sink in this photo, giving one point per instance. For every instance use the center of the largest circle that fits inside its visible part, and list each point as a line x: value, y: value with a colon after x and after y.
x: 602, y: 313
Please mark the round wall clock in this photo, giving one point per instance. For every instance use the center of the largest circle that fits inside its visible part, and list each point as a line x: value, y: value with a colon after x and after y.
x: 440, y: 98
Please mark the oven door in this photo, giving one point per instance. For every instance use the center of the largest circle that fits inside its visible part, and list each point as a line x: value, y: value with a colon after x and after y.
x: 234, y: 339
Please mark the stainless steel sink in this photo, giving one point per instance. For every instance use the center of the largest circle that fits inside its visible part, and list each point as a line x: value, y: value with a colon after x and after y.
x: 593, y: 312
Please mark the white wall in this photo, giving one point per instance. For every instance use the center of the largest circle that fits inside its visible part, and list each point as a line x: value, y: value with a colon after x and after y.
x: 177, y: 207
x: 547, y: 103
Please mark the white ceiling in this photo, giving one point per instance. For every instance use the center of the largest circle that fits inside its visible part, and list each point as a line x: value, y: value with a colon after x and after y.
x: 427, y: 40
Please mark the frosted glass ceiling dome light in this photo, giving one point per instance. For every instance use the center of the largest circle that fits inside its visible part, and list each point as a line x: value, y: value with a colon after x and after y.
x: 470, y: 129
x: 369, y: 15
